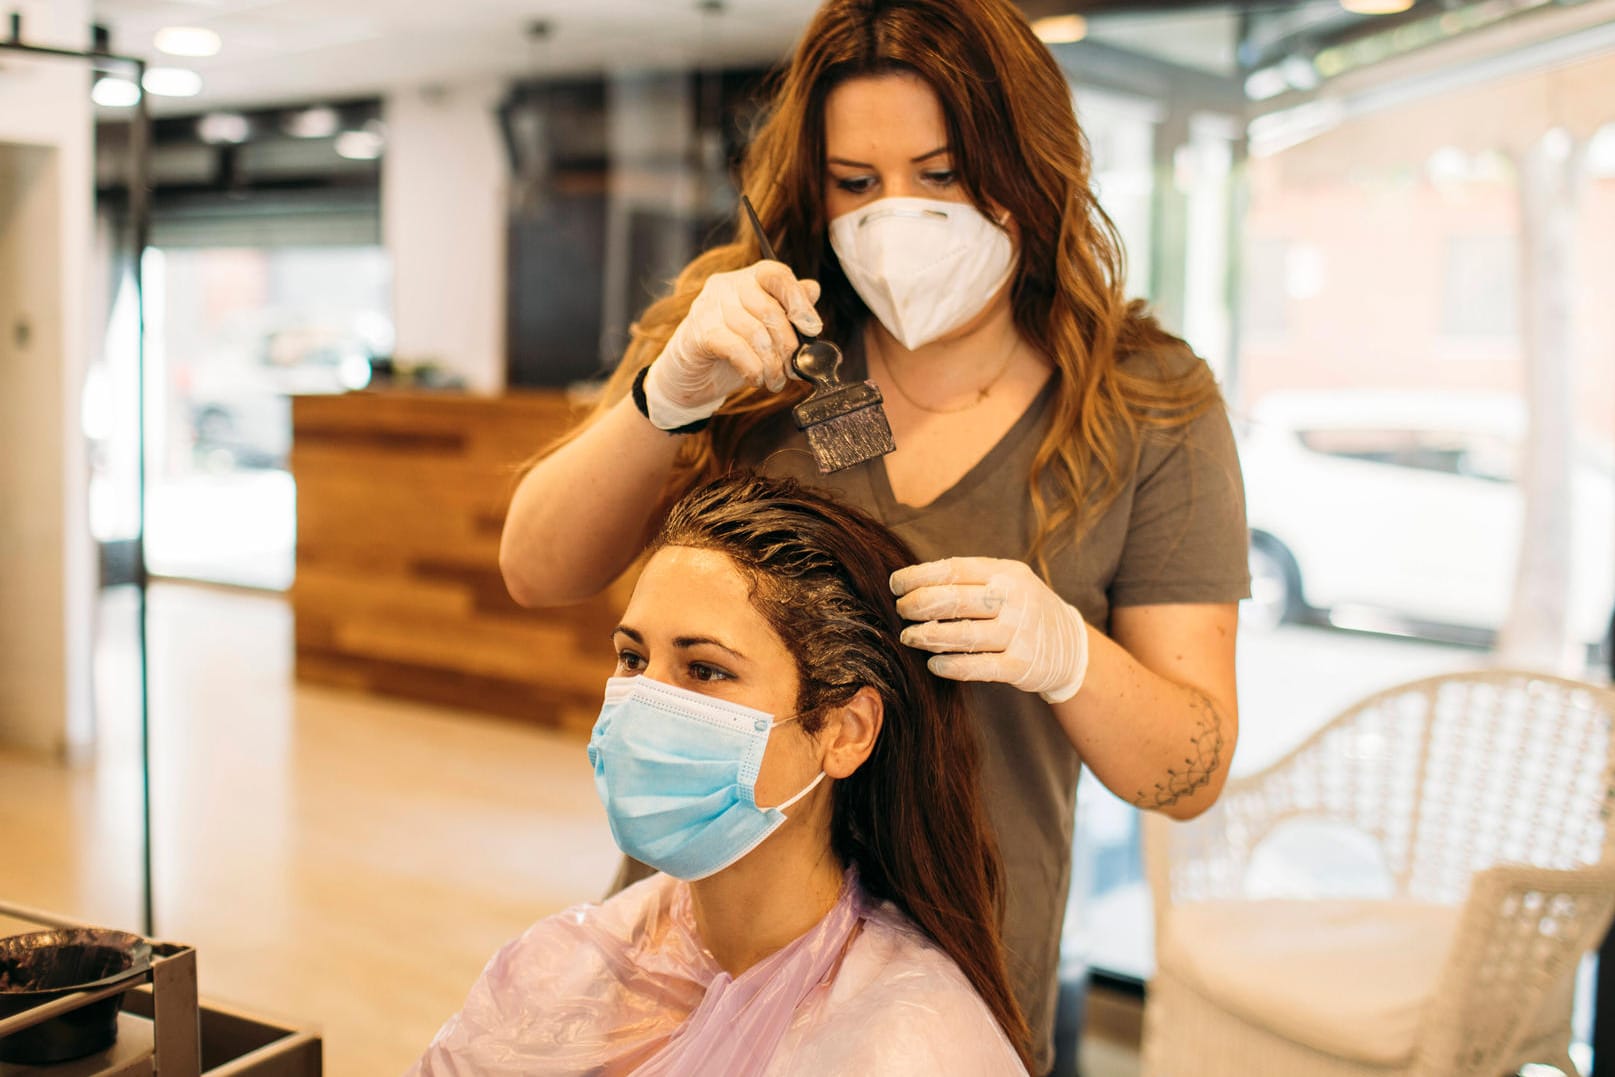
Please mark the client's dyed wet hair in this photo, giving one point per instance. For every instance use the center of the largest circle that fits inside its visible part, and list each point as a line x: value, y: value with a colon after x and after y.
x: 911, y: 818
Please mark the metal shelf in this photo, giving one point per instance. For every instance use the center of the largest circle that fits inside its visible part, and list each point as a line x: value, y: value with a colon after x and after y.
x: 163, y: 1028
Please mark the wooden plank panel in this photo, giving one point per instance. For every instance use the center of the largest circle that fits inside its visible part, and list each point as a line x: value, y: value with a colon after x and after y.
x: 492, y: 651
x: 401, y: 501
x: 379, y: 596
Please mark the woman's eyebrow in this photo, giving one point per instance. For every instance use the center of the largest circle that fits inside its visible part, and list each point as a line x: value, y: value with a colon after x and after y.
x: 683, y: 642
x: 912, y: 160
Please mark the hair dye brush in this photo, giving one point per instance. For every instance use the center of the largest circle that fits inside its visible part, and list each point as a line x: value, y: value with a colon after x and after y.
x: 844, y: 424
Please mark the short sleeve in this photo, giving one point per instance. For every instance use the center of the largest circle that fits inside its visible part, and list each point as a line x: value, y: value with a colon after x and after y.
x: 1186, y: 534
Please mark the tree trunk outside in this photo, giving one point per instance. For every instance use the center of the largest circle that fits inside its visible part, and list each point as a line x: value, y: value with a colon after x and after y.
x: 1537, y: 632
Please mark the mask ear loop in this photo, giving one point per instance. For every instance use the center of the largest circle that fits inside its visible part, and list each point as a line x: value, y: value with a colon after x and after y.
x: 810, y: 787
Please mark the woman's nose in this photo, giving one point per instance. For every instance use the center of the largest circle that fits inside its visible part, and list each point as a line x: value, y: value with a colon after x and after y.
x: 901, y: 185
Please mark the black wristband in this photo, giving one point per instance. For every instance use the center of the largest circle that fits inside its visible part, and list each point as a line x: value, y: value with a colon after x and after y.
x: 638, y: 393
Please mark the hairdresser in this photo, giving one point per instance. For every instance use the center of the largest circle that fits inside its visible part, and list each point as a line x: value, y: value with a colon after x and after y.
x: 1064, y: 466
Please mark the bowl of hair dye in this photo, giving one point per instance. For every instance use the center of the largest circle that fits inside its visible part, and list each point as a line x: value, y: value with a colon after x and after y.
x: 42, y: 966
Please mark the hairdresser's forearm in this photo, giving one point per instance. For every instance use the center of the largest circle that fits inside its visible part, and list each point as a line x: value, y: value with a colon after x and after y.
x: 581, y: 515
x: 1159, y: 741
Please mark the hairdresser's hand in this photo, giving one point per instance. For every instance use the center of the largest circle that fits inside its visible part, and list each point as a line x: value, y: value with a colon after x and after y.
x: 993, y: 620
x: 738, y: 332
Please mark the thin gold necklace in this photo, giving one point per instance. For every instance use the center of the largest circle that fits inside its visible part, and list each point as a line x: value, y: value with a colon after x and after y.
x: 981, y: 394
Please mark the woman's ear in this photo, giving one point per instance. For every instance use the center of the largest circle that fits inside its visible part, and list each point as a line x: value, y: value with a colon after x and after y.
x: 849, y: 732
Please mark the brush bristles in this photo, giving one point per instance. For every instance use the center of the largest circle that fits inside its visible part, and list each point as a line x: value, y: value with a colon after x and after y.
x: 846, y: 440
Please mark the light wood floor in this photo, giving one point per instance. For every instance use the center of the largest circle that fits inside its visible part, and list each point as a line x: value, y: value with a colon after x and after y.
x: 339, y: 861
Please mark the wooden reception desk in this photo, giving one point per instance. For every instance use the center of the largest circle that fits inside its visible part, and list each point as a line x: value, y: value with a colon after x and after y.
x: 400, y: 500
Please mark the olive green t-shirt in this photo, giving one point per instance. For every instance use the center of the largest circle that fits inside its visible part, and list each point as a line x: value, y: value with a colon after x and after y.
x: 1175, y: 534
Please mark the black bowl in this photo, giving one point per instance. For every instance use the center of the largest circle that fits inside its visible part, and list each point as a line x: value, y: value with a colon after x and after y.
x: 45, y: 965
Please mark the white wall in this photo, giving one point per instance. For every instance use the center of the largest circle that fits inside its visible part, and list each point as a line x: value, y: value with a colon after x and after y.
x: 47, y: 564
x: 443, y: 191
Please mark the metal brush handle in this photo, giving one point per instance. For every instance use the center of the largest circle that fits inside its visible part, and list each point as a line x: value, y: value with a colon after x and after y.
x: 819, y: 362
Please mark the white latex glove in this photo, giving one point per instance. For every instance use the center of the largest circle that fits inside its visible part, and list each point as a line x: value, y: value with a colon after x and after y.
x: 993, y: 620
x: 738, y: 332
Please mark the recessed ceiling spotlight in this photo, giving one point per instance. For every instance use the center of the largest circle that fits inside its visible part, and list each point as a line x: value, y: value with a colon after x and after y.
x: 172, y: 82
x: 223, y: 127
x: 1376, y: 7
x: 187, y: 41
x: 1299, y: 72
x: 360, y: 145
x: 1265, y: 82
x: 1601, y: 152
x: 1060, y: 29
x: 318, y: 122
x: 113, y: 92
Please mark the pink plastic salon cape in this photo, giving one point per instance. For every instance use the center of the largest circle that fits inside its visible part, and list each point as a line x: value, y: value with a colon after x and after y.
x: 626, y: 987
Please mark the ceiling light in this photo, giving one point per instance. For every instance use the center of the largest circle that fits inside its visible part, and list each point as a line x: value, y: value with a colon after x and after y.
x: 1376, y: 7
x: 1601, y: 152
x: 1299, y: 73
x: 187, y: 41
x: 1264, y: 83
x: 221, y: 127
x: 112, y: 92
x: 1448, y: 166
x: 1558, y: 144
x: 1060, y: 29
x: 172, y: 82
x: 318, y: 122
x: 360, y: 145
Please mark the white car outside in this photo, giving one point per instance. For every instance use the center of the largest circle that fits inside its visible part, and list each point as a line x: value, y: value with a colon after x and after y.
x: 1406, y: 503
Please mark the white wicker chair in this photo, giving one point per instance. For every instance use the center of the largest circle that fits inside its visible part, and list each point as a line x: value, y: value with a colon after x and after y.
x: 1489, y: 797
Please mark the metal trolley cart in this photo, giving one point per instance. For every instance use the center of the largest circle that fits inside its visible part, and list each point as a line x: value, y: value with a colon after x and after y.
x: 162, y: 1028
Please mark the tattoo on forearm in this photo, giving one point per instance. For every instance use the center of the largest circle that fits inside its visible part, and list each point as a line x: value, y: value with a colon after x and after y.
x: 1205, y: 756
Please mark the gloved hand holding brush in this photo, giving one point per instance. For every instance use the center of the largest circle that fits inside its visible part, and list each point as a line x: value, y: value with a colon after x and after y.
x: 739, y: 331
x: 991, y: 619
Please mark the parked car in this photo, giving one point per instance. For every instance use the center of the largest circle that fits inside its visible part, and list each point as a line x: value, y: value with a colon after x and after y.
x: 1408, y: 504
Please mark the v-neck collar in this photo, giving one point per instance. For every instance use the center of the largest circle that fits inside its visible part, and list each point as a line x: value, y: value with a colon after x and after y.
x: 893, y: 511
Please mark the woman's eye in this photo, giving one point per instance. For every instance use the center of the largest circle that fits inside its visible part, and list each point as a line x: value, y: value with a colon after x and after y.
x: 856, y: 184
x: 629, y: 662
x: 941, y: 177
x: 700, y: 671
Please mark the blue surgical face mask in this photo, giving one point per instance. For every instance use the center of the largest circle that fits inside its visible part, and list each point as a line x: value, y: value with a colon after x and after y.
x: 677, y: 772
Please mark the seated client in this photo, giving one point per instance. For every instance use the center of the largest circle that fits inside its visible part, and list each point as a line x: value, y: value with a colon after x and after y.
x: 829, y: 892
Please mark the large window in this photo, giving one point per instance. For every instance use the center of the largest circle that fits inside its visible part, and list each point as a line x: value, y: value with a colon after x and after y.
x: 1413, y: 315
x: 238, y: 333
x: 233, y: 334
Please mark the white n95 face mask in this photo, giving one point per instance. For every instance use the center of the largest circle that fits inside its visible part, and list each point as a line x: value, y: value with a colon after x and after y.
x: 923, y: 267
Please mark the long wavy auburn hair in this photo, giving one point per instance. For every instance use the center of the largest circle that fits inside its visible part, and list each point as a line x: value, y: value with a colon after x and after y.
x: 1015, y: 143
x: 911, y: 817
